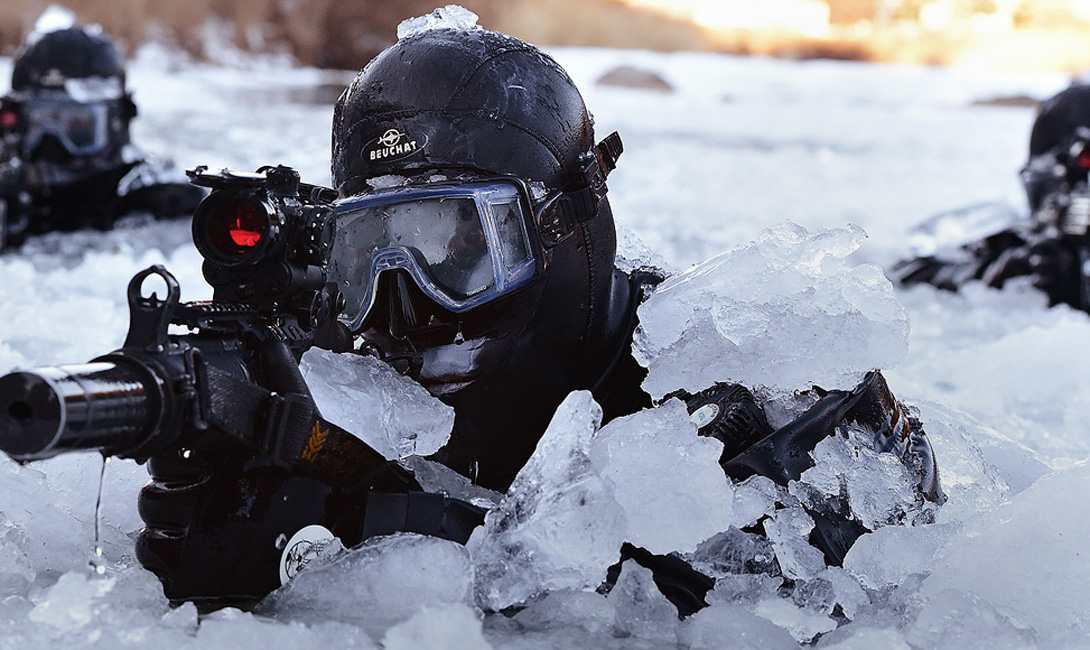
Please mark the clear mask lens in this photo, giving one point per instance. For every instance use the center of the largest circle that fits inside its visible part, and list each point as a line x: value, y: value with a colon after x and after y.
x: 463, y: 245
x: 82, y: 129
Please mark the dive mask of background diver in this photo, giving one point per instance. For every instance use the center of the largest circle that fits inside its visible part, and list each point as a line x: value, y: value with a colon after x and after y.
x: 83, y: 129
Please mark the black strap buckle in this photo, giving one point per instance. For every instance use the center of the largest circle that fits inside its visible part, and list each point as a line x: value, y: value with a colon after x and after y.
x: 559, y: 220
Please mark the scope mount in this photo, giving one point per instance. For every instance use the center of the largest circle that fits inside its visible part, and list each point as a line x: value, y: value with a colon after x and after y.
x: 224, y: 178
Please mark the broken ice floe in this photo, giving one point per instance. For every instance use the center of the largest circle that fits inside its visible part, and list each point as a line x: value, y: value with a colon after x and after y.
x: 786, y: 312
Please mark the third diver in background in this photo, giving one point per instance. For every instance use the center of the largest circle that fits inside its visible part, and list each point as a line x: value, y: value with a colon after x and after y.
x: 1052, y: 247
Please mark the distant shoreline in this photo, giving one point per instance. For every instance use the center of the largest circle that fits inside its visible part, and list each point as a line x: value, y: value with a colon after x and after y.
x: 346, y: 35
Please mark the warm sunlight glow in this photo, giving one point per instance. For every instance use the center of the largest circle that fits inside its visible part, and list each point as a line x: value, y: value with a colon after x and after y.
x: 1000, y: 35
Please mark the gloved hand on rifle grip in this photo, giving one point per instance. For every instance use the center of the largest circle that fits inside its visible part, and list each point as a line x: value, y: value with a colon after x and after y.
x: 225, y: 520
x: 217, y: 517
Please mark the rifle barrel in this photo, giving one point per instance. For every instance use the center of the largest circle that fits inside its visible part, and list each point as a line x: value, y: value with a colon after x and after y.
x: 49, y: 410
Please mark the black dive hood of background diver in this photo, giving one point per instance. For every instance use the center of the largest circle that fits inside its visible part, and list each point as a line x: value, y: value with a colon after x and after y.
x: 74, y: 53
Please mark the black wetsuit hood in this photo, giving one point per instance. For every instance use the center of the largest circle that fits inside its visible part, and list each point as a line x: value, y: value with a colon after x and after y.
x: 1058, y: 118
x: 483, y: 103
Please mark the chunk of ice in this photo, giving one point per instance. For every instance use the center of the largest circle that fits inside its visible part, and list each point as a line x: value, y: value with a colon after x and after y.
x: 846, y: 591
x: 559, y: 525
x: 588, y: 610
x: 55, y: 18
x: 745, y: 588
x: 450, y: 626
x: 785, y: 312
x: 666, y: 477
x: 735, y: 552
x: 390, y: 412
x: 789, y: 531
x: 886, y: 557
x: 438, y: 478
x: 816, y: 595
x: 378, y: 584
x: 448, y: 17
x: 82, y: 610
x: 16, y: 570
x: 802, y: 624
x: 754, y: 498
x: 387, y: 181
x: 879, y: 488
x: 641, y: 609
x: 633, y: 254
x: 73, y: 602
x: 730, y: 625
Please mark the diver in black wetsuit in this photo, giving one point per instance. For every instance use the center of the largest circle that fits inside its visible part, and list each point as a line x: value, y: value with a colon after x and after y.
x: 1052, y: 247
x: 65, y: 157
x: 449, y: 145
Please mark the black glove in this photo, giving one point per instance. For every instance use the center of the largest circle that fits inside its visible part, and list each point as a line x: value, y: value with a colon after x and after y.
x: 13, y: 210
x: 222, y: 518
x: 1010, y: 263
x: 217, y: 524
x: 3, y: 223
x: 219, y: 516
x: 751, y: 446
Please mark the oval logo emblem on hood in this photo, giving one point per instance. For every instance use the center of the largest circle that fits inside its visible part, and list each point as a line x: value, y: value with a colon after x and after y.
x: 393, y: 145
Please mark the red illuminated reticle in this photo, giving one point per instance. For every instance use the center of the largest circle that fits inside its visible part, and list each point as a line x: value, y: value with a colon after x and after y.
x: 243, y: 234
x: 242, y: 222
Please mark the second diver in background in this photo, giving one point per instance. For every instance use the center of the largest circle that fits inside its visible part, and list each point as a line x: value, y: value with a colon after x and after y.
x: 66, y: 161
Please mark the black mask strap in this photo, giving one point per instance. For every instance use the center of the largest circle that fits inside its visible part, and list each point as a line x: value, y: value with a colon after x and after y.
x: 581, y: 204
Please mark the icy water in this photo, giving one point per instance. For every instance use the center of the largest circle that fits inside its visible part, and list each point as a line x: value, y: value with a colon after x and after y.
x: 736, y: 148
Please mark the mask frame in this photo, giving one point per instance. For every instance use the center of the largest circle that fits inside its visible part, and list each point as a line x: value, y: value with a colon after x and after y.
x: 506, y: 231
x: 57, y: 117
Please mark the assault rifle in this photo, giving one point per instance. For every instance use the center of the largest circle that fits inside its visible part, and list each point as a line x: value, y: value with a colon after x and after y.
x: 266, y: 239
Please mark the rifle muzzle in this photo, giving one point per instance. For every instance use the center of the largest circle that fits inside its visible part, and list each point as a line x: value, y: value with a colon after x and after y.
x: 50, y: 410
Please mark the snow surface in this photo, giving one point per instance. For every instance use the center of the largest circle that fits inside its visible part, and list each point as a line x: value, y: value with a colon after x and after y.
x: 740, y: 146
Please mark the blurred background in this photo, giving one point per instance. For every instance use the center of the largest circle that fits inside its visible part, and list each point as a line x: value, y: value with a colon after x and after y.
x: 994, y: 35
